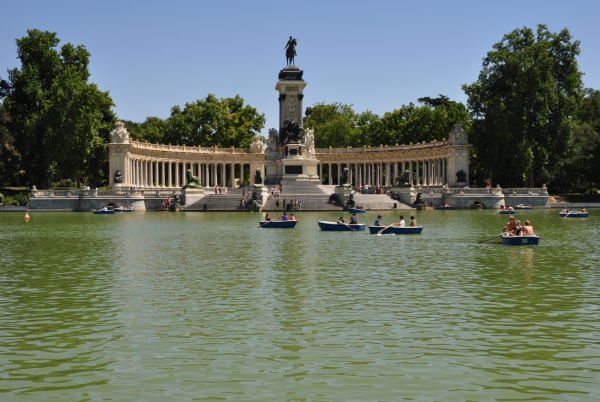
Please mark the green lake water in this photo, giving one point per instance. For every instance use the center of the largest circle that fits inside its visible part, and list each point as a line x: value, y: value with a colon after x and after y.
x: 206, y: 306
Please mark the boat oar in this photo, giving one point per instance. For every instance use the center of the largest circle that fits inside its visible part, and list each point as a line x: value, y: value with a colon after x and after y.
x: 389, y: 226
x: 542, y: 238
x: 493, y: 237
x: 568, y: 213
x: 344, y: 223
x: 260, y: 226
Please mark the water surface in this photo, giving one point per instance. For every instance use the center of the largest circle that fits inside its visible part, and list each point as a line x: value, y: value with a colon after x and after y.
x: 206, y: 306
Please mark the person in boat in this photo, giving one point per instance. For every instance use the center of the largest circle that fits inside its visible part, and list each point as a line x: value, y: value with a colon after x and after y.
x: 284, y: 217
x: 565, y: 210
x: 518, y: 228
x: 583, y: 209
x: 401, y: 223
x: 341, y: 220
x: 105, y: 209
x: 292, y: 217
x: 378, y: 221
x: 268, y: 217
x: 354, y: 219
x: 413, y: 221
x: 510, y: 226
x: 527, y: 229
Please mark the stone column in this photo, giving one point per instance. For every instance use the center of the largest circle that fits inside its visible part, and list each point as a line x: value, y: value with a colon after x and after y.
x: 223, y: 174
x: 339, y: 175
x: 215, y: 176
x: 241, y: 174
x: 329, y: 174
x: 232, y: 176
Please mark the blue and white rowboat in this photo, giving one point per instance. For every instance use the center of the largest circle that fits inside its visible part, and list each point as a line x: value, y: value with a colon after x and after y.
x: 356, y: 211
x: 520, y: 240
x: 341, y: 227
x: 396, y: 230
x: 510, y: 211
x: 574, y: 214
x: 109, y: 212
x: 278, y: 224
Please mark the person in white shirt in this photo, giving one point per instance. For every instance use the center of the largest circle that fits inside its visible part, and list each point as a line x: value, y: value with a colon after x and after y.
x: 401, y: 223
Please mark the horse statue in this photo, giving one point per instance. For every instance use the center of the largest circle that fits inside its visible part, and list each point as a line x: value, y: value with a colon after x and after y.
x: 192, y: 181
x: 290, y: 51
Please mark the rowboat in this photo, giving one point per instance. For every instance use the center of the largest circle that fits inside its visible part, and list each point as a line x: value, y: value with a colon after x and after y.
x: 506, y: 212
x: 127, y: 210
x: 118, y: 209
x: 341, y: 227
x: 396, y: 230
x: 109, y: 212
x: 123, y: 209
x: 574, y: 214
x: 444, y: 208
x: 523, y: 207
x: 278, y: 224
x: 520, y: 240
x: 356, y: 211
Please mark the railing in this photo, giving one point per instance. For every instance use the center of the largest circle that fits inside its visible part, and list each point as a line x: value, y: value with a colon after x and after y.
x: 105, y: 193
x: 403, y: 147
x: 186, y: 148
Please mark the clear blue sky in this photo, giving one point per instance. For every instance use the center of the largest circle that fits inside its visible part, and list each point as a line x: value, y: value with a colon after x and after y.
x: 375, y: 55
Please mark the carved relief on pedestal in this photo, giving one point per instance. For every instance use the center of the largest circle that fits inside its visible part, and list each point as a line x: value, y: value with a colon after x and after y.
x: 119, y: 135
x: 257, y: 146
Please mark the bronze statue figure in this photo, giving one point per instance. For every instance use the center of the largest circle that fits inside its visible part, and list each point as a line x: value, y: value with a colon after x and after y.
x: 402, y: 181
x: 192, y: 181
x: 345, y: 177
x: 290, y: 51
x: 290, y: 132
x: 258, y: 178
x: 118, y: 177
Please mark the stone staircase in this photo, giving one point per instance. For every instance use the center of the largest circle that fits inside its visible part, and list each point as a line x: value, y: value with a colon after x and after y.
x: 314, y: 197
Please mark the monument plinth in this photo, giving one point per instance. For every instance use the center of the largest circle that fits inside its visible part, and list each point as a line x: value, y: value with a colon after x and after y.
x: 291, y: 150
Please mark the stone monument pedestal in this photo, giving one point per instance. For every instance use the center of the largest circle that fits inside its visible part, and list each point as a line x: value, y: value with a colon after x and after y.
x: 407, y: 195
x: 263, y: 194
x: 345, y: 189
x: 190, y: 195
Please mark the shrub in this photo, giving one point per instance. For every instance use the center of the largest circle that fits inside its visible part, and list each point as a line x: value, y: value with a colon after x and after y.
x: 21, y: 199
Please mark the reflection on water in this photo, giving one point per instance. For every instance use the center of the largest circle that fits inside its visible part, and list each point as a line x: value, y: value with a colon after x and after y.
x: 207, y: 306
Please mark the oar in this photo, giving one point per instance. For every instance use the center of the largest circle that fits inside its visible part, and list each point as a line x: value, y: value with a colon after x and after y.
x: 389, y: 226
x: 568, y: 213
x: 260, y: 226
x: 542, y: 238
x: 344, y: 223
x: 493, y: 237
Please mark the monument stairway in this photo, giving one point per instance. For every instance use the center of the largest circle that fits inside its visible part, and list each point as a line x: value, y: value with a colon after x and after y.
x: 379, y: 202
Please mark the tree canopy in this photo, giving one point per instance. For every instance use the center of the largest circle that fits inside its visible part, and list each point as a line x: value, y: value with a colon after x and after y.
x: 207, y: 122
x: 58, y: 122
x: 523, y: 105
x: 338, y: 125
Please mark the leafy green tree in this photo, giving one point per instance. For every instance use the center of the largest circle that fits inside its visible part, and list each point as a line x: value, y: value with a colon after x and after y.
x: 59, y: 121
x: 9, y: 158
x: 580, y: 169
x: 335, y: 125
x: 523, y: 104
x: 415, y: 124
x: 224, y: 122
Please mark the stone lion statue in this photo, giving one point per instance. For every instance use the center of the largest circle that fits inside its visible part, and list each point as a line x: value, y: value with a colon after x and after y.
x: 402, y: 181
x: 192, y: 181
x: 258, y: 178
x: 273, y: 139
x: 345, y: 177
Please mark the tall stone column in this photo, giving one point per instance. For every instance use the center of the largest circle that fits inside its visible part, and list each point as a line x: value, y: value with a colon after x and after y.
x: 241, y: 174
x: 232, y: 176
x: 215, y: 175
x: 339, y: 171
